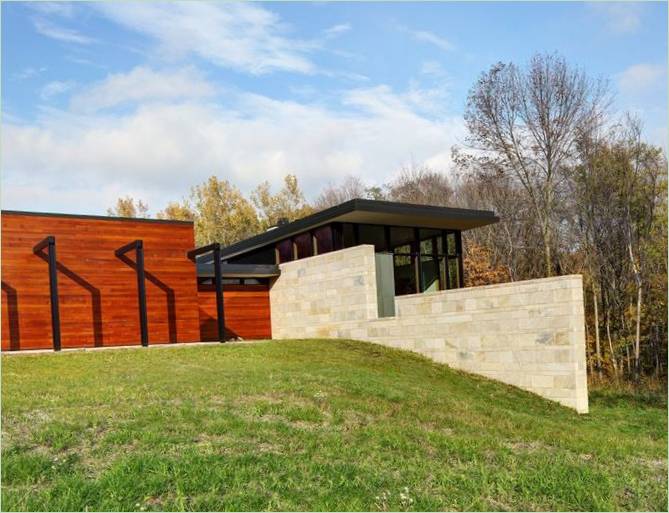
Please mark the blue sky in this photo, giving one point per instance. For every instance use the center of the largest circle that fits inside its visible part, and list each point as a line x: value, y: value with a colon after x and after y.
x: 147, y: 99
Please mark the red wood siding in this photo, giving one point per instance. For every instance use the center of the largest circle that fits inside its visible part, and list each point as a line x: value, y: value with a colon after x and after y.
x: 97, y: 290
x: 246, y: 311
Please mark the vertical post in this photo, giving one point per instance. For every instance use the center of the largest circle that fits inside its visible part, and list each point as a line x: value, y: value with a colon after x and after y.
x: 435, y: 257
x: 458, y: 250
x: 141, y: 292
x: 418, y: 263
x: 218, y: 280
x: 50, y: 243
x: 386, y: 238
x: 444, y: 235
x: 53, y: 289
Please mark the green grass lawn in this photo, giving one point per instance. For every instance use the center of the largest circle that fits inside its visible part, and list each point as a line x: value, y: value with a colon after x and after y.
x: 312, y: 425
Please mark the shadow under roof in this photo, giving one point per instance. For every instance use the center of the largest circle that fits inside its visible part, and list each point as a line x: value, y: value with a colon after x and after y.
x: 370, y: 212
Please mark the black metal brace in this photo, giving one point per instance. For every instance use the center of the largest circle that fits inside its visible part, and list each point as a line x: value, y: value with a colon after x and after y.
x: 138, y: 246
x: 214, y: 248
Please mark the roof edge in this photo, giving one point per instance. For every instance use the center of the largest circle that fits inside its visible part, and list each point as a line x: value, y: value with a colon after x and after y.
x: 356, y: 204
x: 97, y: 217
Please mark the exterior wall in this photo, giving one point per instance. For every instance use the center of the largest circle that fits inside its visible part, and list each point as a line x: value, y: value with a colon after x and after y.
x: 97, y: 290
x: 246, y: 312
x: 529, y: 334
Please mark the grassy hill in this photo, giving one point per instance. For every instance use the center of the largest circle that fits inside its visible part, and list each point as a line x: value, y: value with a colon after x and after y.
x: 311, y: 425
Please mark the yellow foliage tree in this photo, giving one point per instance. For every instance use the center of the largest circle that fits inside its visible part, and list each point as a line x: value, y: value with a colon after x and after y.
x: 288, y: 203
x: 128, y: 207
x: 222, y: 214
x: 177, y: 211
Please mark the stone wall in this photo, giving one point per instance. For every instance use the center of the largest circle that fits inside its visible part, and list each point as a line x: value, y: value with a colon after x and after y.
x: 529, y: 334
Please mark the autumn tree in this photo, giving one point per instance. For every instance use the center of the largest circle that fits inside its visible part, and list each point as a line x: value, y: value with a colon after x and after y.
x: 288, y: 203
x: 128, y: 207
x: 222, y: 213
x: 525, y: 122
x: 178, y: 211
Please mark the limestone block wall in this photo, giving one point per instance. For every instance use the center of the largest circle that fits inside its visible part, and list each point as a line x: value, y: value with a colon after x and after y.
x: 530, y: 334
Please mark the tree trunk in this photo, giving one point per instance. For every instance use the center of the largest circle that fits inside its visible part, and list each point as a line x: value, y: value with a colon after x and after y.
x: 548, y: 260
x: 608, y: 336
x: 637, y: 339
x: 598, y: 350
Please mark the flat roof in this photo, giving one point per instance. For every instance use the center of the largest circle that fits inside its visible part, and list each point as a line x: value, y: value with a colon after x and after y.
x: 98, y: 217
x: 370, y: 212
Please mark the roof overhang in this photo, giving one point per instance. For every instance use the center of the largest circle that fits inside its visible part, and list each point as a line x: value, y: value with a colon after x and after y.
x: 206, y: 270
x: 371, y: 212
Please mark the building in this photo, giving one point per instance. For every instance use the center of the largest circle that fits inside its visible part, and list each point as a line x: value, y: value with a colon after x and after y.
x: 385, y: 272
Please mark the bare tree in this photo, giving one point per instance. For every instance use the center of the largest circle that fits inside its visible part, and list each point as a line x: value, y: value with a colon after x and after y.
x: 351, y: 187
x: 420, y: 184
x: 525, y: 122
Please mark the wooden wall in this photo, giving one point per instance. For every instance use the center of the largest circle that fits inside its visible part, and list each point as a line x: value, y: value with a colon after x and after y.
x: 246, y: 308
x: 98, y: 291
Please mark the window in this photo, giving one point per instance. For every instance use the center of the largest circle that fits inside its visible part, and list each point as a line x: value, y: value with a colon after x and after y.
x: 348, y: 235
x: 303, y: 245
x: 324, y: 240
x: 400, y: 235
x: 285, y: 250
x: 373, y: 234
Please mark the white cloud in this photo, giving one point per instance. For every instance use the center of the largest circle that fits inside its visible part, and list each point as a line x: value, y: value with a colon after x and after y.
x: 238, y: 35
x: 431, y: 38
x: 49, y: 29
x: 620, y: 17
x: 158, y: 151
x: 142, y: 84
x: 56, y: 88
x: 337, y: 30
x: 28, y: 72
x: 640, y: 78
x: 432, y: 68
x: 63, y: 9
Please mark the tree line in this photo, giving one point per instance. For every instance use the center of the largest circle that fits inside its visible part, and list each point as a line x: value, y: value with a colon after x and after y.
x: 577, y: 189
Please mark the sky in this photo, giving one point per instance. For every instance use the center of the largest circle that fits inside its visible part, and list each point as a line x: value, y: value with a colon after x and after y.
x: 108, y: 99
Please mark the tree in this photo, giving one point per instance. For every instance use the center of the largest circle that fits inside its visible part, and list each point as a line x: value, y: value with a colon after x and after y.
x: 288, y: 203
x: 128, y: 207
x: 619, y: 204
x: 177, y: 211
x: 222, y: 214
x: 525, y: 122
x: 351, y: 187
x: 420, y: 185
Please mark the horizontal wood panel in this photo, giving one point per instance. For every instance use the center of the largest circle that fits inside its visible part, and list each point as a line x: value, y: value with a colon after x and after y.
x: 246, y: 312
x: 97, y: 290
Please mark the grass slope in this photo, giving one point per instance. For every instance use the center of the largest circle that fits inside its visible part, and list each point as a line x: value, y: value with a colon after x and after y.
x: 311, y: 425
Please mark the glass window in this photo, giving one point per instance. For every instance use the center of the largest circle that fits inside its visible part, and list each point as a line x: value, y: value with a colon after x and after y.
x: 348, y: 235
x: 324, y: 240
x: 453, y: 273
x: 304, y: 245
x: 405, y: 274
x: 373, y: 234
x: 285, y: 248
x: 429, y: 270
x: 256, y: 281
x: 400, y: 235
x: 450, y: 239
x: 403, y: 250
x: 426, y: 247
